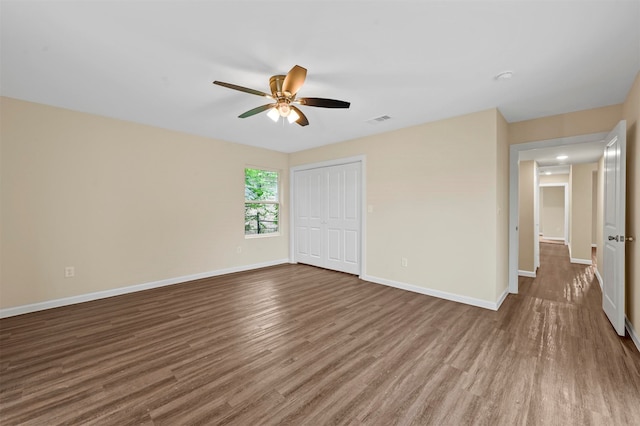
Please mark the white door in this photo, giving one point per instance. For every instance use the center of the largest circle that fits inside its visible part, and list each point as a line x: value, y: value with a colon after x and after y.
x: 536, y: 220
x: 327, y: 217
x: 343, y: 218
x: 614, y: 226
x: 308, y: 216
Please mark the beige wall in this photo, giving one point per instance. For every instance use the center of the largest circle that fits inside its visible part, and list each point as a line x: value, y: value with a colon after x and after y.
x: 564, y: 125
x: 434, y: 193
x: 123, y: 203
x: 631, y: 113
x: 580, y: 219
x: 546, y: 179
x: 502, y: 208
x: 526, y: 216
x: 552, y: 211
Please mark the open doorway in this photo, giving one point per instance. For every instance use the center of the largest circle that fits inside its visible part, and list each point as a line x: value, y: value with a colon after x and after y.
x: 545, y: 154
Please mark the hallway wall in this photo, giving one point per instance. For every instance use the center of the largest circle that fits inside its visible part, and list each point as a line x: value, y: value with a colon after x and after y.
x: 526, y: 218
x: 580, y: 219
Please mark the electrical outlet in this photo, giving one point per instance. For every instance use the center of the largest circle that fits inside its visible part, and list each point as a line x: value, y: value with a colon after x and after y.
x: 239, y: 249
x: 69, y: 272
x: 405, y: 263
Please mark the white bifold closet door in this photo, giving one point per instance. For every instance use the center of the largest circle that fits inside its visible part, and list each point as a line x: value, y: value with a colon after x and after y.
x: 327, y: 215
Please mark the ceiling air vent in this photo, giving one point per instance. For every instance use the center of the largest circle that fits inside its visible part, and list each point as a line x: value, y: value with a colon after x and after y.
x: 379, y: 119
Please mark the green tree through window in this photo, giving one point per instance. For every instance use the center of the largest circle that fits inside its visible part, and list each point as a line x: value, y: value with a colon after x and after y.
x: 261, y: 202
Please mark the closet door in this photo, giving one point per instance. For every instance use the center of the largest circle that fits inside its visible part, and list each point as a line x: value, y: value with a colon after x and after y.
x: 309, y: 216
x: 327, y: 217
x: 342, y: 198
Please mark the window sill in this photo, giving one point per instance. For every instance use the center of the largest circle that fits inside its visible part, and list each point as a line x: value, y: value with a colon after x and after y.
x: 254, y: 236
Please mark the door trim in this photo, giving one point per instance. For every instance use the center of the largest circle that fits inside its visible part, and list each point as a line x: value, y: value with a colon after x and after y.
x: 514, y: 175
x: 363, y: 204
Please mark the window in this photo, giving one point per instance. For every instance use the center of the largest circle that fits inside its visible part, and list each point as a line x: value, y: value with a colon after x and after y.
x: 261, y: 202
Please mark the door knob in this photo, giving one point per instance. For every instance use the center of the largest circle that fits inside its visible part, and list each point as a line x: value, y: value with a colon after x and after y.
x: 612, y: 237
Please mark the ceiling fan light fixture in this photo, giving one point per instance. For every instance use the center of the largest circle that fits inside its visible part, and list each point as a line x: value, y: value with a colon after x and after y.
x: 284, y: 109
x: 293, y: 116
x: 274, y: 114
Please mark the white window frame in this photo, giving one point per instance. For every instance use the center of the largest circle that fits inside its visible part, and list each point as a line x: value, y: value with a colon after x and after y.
x: 277, y: 202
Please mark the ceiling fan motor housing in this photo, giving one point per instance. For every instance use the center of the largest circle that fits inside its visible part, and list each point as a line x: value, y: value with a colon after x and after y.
x: 275, y: 84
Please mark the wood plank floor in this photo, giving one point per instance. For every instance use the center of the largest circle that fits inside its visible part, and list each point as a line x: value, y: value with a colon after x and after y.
x: 294, y: 344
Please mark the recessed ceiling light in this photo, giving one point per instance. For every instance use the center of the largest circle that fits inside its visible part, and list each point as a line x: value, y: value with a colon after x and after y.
x: 562, y: 157
x: 504, y: 75
x: 547, y: 173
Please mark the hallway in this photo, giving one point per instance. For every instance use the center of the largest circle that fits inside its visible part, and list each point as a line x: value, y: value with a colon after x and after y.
x: 582, y: 363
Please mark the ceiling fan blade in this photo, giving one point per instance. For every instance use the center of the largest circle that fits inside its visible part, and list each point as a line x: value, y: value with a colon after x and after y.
x: 294, y: 80
x: 242, y: 89
x: 303, y: 118
x: 323, y: 103
x: 256, y: 110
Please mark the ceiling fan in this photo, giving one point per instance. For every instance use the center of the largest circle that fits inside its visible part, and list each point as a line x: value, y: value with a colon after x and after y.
x: 283, y: 91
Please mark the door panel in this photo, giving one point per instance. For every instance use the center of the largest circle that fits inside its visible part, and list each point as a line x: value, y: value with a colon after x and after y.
x: 614, y: 227
x: 302, y: 240
x: 351, y: 251
x: 344, y: 197
x: 308, y: 211
x: 314, y: 189
x: 352, y: 217
x: 302, y: 197
x: 315, y: 246
x: 334, y: 245
x: 609, y: 292
x: 352, y: 194
x: 334, y: 193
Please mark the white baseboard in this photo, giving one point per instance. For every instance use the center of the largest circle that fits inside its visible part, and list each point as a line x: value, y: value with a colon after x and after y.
x: 599, y: 277
x: 530, y: 274
x: 632, y: 332
x: 553, y: 238
x: 49, y: 304
x: 502, y: 298
x: 580, y: 261
x: 594, y: 245
x: 437, y: 293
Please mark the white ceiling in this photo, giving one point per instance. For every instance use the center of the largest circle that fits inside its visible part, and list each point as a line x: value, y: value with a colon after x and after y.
x: 153, y: 62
